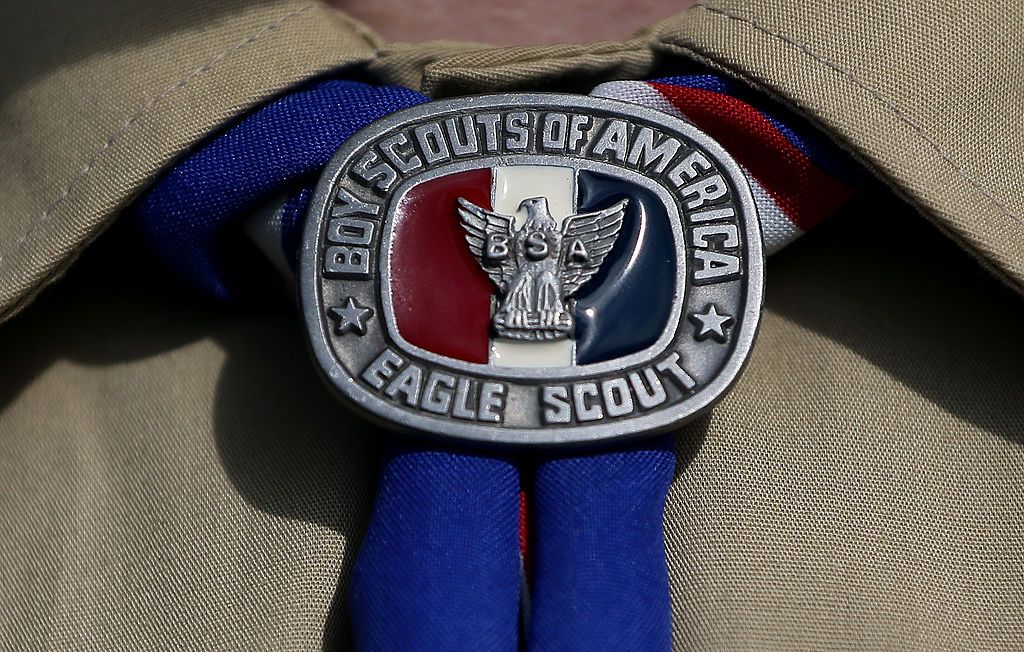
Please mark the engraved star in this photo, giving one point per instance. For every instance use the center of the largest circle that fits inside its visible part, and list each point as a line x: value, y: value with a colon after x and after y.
x: 710, y: 323
x: 351, y: 317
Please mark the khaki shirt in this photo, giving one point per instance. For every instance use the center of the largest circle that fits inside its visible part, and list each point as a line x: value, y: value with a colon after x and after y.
x: 174, y: 476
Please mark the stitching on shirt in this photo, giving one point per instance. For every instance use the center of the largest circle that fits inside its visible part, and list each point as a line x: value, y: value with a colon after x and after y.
x: 577, y: 51
x: 112, y: 140
x: 806, y: 49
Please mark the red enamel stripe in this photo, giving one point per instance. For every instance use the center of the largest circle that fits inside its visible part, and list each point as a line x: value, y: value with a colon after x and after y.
x: 802, y: 191
x: 441, y: 297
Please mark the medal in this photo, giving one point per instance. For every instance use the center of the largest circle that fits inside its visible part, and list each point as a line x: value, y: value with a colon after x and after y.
x: 531, y: 269
x: 522, y: 269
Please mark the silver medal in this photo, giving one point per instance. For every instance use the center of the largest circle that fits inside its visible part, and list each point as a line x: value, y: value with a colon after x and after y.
x: 531, y: 269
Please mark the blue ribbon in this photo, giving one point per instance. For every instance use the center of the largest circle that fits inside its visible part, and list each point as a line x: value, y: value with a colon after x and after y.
x: 600, y: 577
x: 183, y: 217
x: 439, y: 567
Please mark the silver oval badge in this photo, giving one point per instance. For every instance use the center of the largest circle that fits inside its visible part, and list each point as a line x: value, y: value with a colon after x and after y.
x: 532, y: 269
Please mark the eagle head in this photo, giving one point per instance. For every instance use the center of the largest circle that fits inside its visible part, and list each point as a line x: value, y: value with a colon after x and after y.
x: 538, y: 217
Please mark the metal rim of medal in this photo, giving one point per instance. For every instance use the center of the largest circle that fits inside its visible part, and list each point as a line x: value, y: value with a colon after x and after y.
x: 380, y: 411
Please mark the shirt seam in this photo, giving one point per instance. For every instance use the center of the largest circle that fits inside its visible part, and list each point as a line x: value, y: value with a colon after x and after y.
x: 628, y: 47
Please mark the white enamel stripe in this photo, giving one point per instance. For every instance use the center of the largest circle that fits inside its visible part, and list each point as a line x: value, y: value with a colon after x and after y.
x: 510, y: 353
x: 513, y: 184
x: 776, y: 227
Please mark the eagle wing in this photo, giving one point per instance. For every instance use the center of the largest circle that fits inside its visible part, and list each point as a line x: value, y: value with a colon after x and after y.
x: 586, y: 240
x: 483, y: 226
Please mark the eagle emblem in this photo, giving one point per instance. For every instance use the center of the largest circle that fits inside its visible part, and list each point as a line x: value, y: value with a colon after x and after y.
x: 538, y: 268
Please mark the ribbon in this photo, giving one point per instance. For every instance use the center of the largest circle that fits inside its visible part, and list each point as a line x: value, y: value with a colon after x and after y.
x: 466, y: 551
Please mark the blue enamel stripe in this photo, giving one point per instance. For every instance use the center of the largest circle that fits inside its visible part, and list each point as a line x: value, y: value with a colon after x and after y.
x: 625, y: 307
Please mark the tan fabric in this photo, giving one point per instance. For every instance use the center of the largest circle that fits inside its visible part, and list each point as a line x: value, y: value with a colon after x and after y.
x: 173, y: 476
x: 99, y: 95
x: 861, y: 488
x: 928, y: 92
